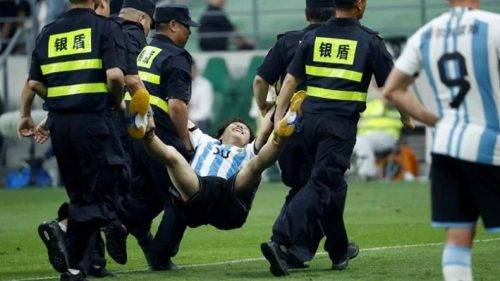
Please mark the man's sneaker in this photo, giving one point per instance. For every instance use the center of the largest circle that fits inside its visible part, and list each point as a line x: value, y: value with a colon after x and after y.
x: 53, y: 238
x: 116, y: 242
x: 71, y: 277
x: 276, y: 258
x: 99, y: 272
x: 342, y: 262
x: 288, y: 123
x: 138, y: 111
x: 168, y: 265
x: 297, y: 265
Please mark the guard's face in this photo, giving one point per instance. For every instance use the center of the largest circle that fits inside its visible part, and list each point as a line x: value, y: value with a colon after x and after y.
x: 237, y: 130
x: 146, y: 23
x: 361, y: 7
x: 185, y: 32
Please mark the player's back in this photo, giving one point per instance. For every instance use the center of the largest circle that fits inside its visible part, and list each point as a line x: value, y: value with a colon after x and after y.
x: 460, y: 53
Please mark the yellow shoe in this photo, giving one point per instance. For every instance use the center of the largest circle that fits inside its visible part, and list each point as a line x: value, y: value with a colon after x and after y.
x: 286, y: 126
x: 138, y: 111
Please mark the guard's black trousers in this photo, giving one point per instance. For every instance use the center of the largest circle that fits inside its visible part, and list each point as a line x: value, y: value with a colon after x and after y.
x: 93, y: 167
x: 295, y: 166
x: 323, y: 197
x: 150, y: 195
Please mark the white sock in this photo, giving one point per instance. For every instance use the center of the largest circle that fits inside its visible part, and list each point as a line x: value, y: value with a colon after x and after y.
x: 62, y: 226
x: 457, y: 263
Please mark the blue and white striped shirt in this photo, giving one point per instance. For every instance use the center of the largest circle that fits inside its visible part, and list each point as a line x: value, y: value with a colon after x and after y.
x: 458, y: 57
x: 213, y: 158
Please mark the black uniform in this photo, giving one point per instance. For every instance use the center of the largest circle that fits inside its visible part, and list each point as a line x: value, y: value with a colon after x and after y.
x: 295, y: 163
x: 337, y: 62
x: 71, y: 59
x: 166, y: 71
x: 141, y: 203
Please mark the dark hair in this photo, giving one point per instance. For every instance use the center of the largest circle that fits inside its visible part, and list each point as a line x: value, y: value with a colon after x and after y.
x: 345, y: 5
x: 224, y: 126
x: 319, y: 14
x: 161, y: 26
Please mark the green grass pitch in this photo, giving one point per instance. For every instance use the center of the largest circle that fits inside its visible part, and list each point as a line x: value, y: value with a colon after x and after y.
x: 390, y: 221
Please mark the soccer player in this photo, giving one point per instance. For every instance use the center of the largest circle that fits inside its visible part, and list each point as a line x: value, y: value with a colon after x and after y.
x: 458, y: 53
x: 219, y: 185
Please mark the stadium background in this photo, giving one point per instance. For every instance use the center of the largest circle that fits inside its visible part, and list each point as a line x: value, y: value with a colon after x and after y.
x: 389, y: 220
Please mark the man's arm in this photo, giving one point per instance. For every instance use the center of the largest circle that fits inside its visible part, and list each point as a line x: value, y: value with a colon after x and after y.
x: 177, y: 88
x: 296, y: 73
x: 265, y: 130
x: 260, y: 90
x: 396, y: 91
x: 38, y: 87
x: 26, y: 126
x: 134, y: 83
x: 287, y: 89
x: 179, y: 116
x: 114, y: 60
x: 115, y: 84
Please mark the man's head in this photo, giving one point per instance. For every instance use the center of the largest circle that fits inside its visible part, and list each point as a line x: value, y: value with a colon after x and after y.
x: 318, y: 11
x: 103, y: 8
x: 217, y: 3
x: 236, y: 132
x: 93, y: 4
x: 356, y: 8
x: 139, y: 11
x: 174, y: 21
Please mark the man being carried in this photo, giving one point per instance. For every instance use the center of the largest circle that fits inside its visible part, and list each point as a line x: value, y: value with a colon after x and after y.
x: 219, y: 186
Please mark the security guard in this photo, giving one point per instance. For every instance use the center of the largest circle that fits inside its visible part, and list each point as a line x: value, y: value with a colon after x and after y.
x: 337, y: 62
x: 379, y: 130
x: 77, y: 69
x: 295, y: 163
x: 135, y: 19
x: 165, y: 68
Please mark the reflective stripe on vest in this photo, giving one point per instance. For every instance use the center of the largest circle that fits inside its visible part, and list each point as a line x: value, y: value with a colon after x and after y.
x: 71, y: 66
x: 154, y: 100
x: 77, y: 89
x: 384, y: 124
x: 336, y: 94
x: 334, y: 73
x: 149, y: 77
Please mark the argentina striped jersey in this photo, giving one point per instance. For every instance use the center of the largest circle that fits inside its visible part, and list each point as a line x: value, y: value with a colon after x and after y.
x: 458, y: 57
x: 213, y: 158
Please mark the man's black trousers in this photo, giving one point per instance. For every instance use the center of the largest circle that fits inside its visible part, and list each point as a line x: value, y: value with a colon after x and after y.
x: 322, y: 199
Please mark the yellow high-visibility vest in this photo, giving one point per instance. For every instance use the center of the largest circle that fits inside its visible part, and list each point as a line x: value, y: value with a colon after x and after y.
x: 379, y: 117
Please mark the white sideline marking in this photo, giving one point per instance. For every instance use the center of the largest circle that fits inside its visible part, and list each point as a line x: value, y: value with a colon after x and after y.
x: 319, y: 254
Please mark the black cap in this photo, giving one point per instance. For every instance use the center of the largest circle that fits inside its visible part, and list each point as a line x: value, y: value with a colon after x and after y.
x: 345, y: 1
x: 320, y: 3
x: 146, y: 6
x: 179, y: 13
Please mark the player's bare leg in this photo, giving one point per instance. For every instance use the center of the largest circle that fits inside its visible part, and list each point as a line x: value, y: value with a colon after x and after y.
x: 250, y: 175
x: 183, y: 177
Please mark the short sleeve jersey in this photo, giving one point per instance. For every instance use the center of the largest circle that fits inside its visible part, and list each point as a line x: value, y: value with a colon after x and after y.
x: 213, y: 158
x: 457, y: 56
